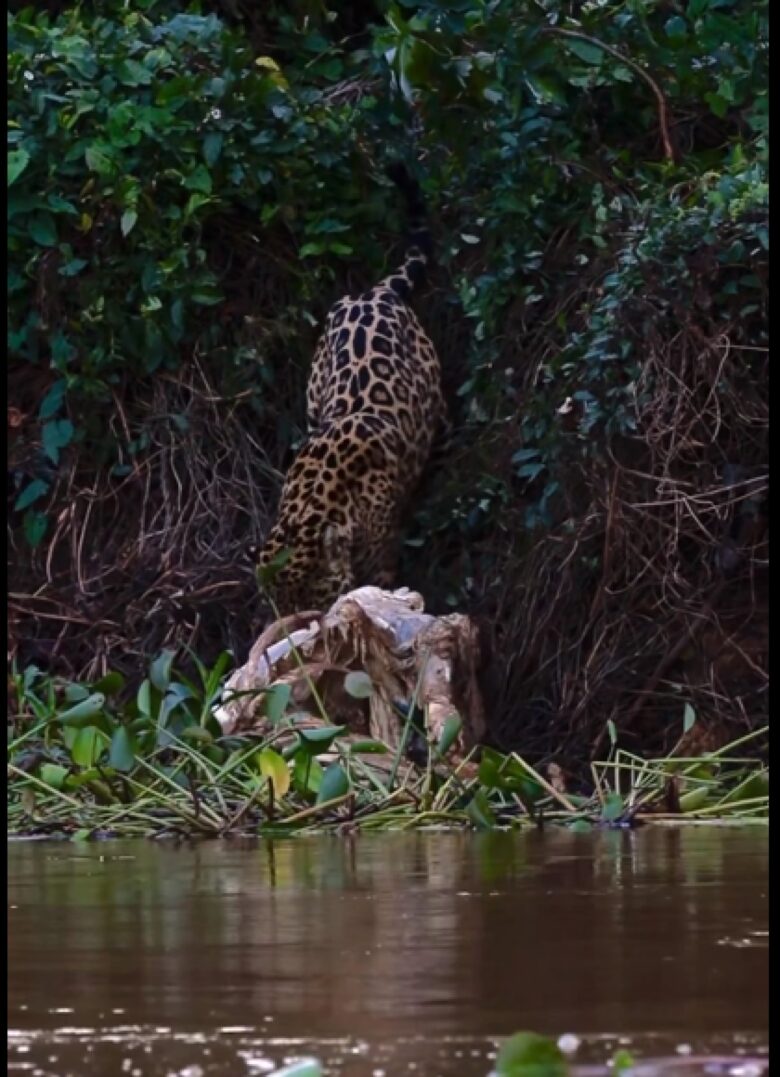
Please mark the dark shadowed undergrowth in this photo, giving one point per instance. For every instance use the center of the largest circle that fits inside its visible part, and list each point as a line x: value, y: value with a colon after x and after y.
x: 186, y: 199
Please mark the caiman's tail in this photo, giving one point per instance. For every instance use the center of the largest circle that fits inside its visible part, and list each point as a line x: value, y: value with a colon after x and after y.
x: 411, y: 272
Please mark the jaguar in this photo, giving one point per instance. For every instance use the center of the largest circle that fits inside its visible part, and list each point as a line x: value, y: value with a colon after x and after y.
x: 375, y: 409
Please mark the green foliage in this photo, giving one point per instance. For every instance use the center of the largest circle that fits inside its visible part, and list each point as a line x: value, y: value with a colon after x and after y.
x: 527, y: 1054
x: 133, y: 134
x: 186, y: 192
x: 137, y: 136
x: 139, y: 142
x: 157, y: 761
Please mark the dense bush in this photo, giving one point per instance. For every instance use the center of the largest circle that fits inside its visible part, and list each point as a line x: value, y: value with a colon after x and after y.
x: 188, y: 194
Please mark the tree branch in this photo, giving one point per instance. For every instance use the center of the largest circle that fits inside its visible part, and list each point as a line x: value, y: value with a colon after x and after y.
x: 663, y: 121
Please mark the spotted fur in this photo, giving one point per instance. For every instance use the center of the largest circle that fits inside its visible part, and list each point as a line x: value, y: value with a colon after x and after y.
x: 374, y: 409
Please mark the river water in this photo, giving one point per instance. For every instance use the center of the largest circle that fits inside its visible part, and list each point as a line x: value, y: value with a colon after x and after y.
x: 402, y: 953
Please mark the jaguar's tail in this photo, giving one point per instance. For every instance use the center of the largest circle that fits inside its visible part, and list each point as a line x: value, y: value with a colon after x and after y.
x: 411, y: 272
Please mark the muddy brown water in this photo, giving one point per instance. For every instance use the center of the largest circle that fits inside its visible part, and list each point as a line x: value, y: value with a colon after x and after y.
x: 404, y: 953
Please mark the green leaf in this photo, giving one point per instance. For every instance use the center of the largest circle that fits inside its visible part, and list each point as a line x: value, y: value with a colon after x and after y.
x: 545, y: 89
x: 98, y: 160
x: 61, y: 205
x: 121, y: 754
x: 160, y: 670
x: 675, y: 27
x: 197, y: 733
x: 591, y: 54
x: 266, y: 574
x: 131, y: 73
x: 199, y: 180
x: 81, y: 714
x: 309, y: 249
x: 612, y: 808
x: 694, y: 799
x: 359, y: 685
x: 335, y: 783
x: 87, y: 746
x: 622, y: 1060
x: 368, y: 747
x: 17, y: 162
x: 275, y: 702
x: 32, y: 492
x: 73, y: 267
x: 212, y: 147
x: 206, y: 299
x: 489, y: 772
x: 75, y: 693
x: 612, y: 730
x: 530, y: 471
x: 497, y: 771
x: 54, y: 774
x: 53, y: 400
x: 480, y: 813
x: 320, y: 740
x: 55, y: 435
x: 449, y: 734
x: 527, y: 1054
x: 580, y: 826
x: 144, y: 699
x: 755, y: 785
x: 128, y: 221
x: 274, y: 767
x: 43, y: 229
x: 718, y: 104
x: 62, y: 351
x: 307, y: 774
x: 35, y: 524
x: 110, y: 684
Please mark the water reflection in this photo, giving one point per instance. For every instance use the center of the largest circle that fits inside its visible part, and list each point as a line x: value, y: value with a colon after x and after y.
x: 395, y: 938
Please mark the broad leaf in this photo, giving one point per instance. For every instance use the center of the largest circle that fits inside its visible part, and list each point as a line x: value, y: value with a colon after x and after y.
x: 527, y: 1054
x: 17, y: 162
x: 273, y: 767
x: 121, y: 754
x: 87, y: 746
x: 32, y: 492
x: 449, y: 734
x: 160, y: 670
x: 54, y: 775
x: 480, y: 813
x: 275, y: 702
x: 613, y: 807
x: 81, y: 714
x: 335, y: 783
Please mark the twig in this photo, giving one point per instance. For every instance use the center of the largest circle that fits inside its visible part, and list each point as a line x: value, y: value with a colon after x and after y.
x: 663, y: 121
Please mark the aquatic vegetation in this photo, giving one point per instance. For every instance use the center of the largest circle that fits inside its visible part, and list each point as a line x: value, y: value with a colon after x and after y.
x: 529, y: 1054
x: 90, y: 760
